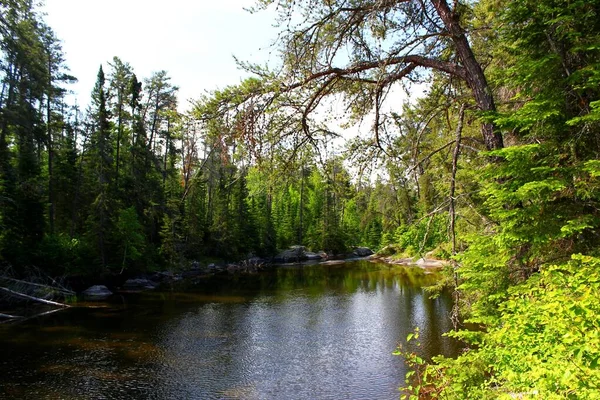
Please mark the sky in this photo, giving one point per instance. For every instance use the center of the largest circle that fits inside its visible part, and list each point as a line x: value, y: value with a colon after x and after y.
x: 194, y: 41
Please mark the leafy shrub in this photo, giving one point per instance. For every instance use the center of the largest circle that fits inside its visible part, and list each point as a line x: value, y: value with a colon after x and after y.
x: 424, y: 235
x: 544, y: 345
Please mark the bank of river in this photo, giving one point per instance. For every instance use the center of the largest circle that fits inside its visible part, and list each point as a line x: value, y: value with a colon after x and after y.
x: 296, y: 332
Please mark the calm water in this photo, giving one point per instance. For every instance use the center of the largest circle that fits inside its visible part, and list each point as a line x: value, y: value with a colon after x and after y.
x: 311, y: 332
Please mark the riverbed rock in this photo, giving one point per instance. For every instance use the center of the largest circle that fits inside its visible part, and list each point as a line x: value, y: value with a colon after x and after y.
x: 139, y: 284
x: 429, y: 263
x: 97, y: 292
x: 362, y: 252
x: 333, y: 262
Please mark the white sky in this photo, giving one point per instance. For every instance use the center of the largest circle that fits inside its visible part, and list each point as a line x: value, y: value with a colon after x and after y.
x: 194, y: 41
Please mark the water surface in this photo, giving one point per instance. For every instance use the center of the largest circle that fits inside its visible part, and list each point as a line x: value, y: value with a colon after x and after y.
x: 303, y: 332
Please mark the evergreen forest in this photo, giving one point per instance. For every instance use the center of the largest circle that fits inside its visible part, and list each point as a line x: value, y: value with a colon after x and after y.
x: 494, y: 166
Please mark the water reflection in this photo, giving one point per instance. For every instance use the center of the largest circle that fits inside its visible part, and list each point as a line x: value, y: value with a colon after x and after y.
x: 313, y: 332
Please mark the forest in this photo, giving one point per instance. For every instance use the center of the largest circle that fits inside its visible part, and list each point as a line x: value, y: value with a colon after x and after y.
x: 495, y: 167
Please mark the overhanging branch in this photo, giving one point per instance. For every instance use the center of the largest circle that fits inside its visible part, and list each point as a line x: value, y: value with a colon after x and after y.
x: 416, y: 60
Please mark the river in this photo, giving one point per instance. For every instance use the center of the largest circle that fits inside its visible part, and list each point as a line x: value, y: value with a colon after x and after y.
x: 295, y: 332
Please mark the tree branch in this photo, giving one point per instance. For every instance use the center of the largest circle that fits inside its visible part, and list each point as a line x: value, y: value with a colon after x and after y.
x: 416, y: 60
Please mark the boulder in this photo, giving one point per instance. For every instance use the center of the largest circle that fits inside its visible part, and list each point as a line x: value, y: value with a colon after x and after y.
x: 232, y: 268
x: 429, y: 263
x: 164, y: 276
x: 139, y: 284
x: 254, y: 261
x: 295, y: 254
x: 362, y: 252
x: 97, y: 292
x: 312, y: 256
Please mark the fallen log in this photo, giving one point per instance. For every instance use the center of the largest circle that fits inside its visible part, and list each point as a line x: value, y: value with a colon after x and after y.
x: 58, y: 289
x: 8, y: 316
x: 25, y: 296
x: 42, y: 314
x: 18, y: 319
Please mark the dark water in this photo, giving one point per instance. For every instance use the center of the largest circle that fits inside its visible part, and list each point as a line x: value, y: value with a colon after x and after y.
x: 312, y: 332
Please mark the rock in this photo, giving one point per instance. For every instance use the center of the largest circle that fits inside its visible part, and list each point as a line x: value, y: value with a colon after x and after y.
x: 139, y: 284
x: 191, y: 273
x: 362, y: 252
x: 429, y: 263
x: 232, y: 268
x: 97, y: 292
x: 164, y: 276
x: 254, y: 261
x: 333, y: 262
x: 312, y: 256
x: 296, y: 254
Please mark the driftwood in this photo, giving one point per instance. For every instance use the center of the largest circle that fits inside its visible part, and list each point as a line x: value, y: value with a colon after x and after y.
x: 37, y: 299
x: 8, y: 316
x: 57, y: 289
x: 16, y: 319
x: 40, y: 315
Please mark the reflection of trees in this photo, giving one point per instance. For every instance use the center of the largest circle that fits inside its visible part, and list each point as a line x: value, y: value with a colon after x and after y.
x: 233, y: 333
x: 346, y: 279
x: 432, y: 317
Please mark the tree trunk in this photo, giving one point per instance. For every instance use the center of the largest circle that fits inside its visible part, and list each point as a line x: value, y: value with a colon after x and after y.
x: 119, y: 134
x: 51, y: 205
x: 452, y: 212
x: 475, y: 77
x: 301, y: 227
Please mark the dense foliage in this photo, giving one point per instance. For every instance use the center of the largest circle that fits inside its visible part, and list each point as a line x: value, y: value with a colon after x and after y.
x: 132, y: 184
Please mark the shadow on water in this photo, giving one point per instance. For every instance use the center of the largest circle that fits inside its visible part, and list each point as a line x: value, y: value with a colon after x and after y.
x: 302, y: 332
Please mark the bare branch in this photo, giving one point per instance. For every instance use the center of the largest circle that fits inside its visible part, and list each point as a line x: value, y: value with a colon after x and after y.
x: 415, y: 60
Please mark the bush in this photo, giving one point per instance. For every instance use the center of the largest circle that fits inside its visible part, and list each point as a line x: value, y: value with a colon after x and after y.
x: 545, y: 344
x: 59, y: 254
x: 424, y: 235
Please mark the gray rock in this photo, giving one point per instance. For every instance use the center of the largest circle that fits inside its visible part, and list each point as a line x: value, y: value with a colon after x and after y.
x: 312, y: 256
x: 254, y: 261
x: 295, y: 254
x: 97, y: 292
x: 139, y: 284
x: 232, y: 268
x: 163, y: 276
x: 362, y: 252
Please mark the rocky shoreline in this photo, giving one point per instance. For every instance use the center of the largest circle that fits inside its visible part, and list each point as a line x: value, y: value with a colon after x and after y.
x: 291, y: 256
x: 425, y: 263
